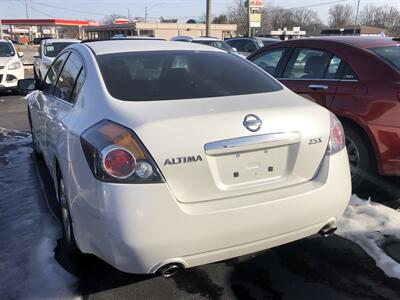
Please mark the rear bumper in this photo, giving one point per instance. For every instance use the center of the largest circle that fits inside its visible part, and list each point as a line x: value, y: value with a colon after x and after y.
x: 139, y: 228
x: 388, y: 147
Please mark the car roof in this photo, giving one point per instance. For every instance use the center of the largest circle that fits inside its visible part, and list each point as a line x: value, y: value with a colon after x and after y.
x: 51, y: 41
x: 120, y: 46
x: 261, y: 38
x: 206, y: 38
x: 240, y: 38
x: 357, y: 41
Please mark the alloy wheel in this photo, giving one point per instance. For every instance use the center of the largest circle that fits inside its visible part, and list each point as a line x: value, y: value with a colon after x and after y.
x: 66, y: 219
x: 354, y: 156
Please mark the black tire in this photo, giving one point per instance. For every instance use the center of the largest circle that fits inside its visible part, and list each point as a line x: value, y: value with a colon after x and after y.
x: 66, y: 221
x: 361, y: 157
x: 35, y: 149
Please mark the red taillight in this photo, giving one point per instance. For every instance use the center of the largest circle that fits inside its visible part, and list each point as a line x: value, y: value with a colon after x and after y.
x: 115, y: 154
x: 337, y: 139
x: 119, y: 163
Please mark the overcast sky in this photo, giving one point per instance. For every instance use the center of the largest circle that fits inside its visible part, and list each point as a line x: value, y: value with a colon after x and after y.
x: 182, y: 9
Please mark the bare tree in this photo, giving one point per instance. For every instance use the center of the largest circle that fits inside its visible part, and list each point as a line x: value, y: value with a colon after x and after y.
x: 237, y: 14
x: 110, y: 18
x: 379, y: 16
x: 303, y: 17
x: 274, y: 17
x: 221, y: 19
x: 279, y: 17
x: 340, y: 15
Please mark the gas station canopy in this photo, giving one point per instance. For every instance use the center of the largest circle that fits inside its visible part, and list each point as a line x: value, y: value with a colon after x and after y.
x: 47, y: 22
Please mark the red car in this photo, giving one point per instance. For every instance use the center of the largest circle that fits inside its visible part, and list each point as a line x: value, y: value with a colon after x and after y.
x: 357, y: 78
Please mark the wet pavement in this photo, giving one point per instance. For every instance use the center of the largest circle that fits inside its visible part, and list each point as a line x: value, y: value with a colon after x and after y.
x: 33, y: 265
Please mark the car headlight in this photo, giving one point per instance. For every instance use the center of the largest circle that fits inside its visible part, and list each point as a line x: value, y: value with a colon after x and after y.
x: 15, y: 65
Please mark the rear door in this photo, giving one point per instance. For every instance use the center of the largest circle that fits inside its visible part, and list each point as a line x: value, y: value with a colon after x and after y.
x: 43, y: 100
x: 312, y: 73
x: 62, y: 102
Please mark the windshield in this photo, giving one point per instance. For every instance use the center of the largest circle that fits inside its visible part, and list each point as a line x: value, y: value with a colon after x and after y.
x: 170, y: 75
x: 53, y: 49
x: 6, y: 49
x: 217, y: 44
x: 390, y: 53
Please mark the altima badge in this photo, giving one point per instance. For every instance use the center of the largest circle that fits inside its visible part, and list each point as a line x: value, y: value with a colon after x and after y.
x: 252, y: 122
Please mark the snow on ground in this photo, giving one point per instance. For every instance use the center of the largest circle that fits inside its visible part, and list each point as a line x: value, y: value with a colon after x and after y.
x: 28, y: 232
x: 368, y: 224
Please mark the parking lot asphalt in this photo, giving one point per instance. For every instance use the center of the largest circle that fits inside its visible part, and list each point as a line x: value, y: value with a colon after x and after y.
x: 313, y: 268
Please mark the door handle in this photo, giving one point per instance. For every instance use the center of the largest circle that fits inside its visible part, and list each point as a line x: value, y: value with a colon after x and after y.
x: 318, y: 86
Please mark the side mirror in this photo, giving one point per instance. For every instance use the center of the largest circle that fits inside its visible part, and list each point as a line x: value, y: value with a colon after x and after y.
x: 234, y: 49
x: 36, y: 55
x: 20, y: 54
x: 26, y: 86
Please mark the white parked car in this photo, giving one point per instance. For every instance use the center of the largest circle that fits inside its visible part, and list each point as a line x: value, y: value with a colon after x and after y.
x: 163, y: 160
x: 47, y: 52
x: 11, y: 67
x: 209, y: 41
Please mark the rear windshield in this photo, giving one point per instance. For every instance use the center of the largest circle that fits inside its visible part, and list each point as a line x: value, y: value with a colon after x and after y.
x: 390, y: 53
x: 169, y: 75
x: 217, y: 44
x: 53, y: 49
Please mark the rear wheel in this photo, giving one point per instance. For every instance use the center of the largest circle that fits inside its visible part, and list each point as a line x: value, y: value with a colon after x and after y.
x: 36, y: 151
x: 66, y: 220
x: 361, y: 158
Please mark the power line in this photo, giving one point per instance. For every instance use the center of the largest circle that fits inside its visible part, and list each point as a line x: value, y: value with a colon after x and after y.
x: 69, y: 9
x: 34, y: 9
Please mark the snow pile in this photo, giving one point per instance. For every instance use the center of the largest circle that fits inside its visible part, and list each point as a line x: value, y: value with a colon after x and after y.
x: 28, y: 233
x: 367, y: 223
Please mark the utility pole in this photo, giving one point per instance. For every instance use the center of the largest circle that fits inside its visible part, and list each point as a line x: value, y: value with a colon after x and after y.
x: 248, y: 18
x: 1, y: 30
x: 208, y: 17
x: 145, y: 14
x: 26, y: 9
x: 355, y: 22
x: 389, y: 24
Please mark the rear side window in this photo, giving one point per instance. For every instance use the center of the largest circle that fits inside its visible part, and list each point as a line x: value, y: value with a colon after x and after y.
x: 78, y: 85
x: 53, y: 49
x: 333, y: 69
x: 66, y: 82
x: 169, y: 75
x: 249, y: 46
x: 307, y: 64
x: 391, y: 54
x: 53, y: 73
x: 269, y: 60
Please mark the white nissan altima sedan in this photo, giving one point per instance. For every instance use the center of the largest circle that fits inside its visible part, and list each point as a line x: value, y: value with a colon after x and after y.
x: 168, y: 155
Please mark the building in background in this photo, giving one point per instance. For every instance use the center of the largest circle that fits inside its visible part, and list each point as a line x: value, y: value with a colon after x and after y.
x: 285, y: 34
x: 159, y: 30
x: 26, y: 30
x: 360, y: 30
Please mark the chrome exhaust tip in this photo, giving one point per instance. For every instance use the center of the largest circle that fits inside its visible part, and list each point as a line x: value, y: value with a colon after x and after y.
x: 328, y: 229
x: 169, y: 270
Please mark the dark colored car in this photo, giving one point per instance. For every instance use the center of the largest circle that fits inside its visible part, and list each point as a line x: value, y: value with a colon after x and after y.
x: 247, y: 45
x: 357, y: 78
